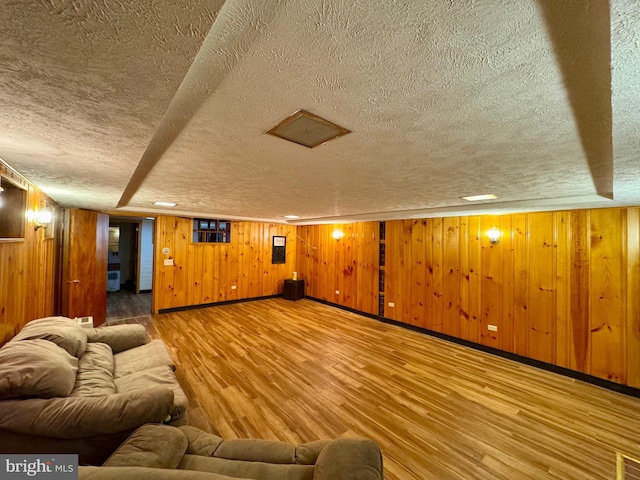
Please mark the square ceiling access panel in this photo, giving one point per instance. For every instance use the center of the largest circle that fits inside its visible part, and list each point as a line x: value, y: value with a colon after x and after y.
x: 307, y: 129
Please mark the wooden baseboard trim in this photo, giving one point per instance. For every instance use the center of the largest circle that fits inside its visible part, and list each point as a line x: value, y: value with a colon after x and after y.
x: 342, y: 307
x: 215, y: 304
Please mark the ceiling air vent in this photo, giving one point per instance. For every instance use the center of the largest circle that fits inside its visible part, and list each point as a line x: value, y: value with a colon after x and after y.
x: 307, y: 129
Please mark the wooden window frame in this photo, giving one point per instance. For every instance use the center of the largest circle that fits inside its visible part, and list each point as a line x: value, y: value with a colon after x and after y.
x: 208, y: 230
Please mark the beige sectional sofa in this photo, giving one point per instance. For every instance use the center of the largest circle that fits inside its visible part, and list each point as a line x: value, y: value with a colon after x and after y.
x: 159, y: 452
x: 67, y: 389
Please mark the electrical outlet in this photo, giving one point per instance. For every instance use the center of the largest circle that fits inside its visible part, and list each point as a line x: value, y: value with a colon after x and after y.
x: 492, y: 328
x: 337, y: 292
x: 391, y: 304
x: 233, y: 287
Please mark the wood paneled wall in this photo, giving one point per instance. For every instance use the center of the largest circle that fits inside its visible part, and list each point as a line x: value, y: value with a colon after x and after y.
x: 560, y: 287
x: 206, y: 272
x: 27, y: 270
x: 348, y: 265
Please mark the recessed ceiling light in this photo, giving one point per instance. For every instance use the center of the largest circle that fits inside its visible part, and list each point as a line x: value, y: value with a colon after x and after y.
x: 164, y: 204
x: 477, y: 198
x: 291, y: 217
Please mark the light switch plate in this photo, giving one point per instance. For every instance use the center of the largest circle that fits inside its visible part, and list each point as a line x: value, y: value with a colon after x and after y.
x: 168, y: 262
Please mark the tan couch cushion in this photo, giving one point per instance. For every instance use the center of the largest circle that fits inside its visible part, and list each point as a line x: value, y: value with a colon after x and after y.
x: 207, y: 445
x: 62, y: 331
x: 247, y: 470
x: 119, y: 337
x: 200, y: 442
x: 360, y: 457
x: 251, y: 450
x: 153, y: 354
x: 141, y: 473
x: 162, y: 376
x: 153, y: 446
x: 95, y: 372
x: 36, y: 368
x: 77, y: 417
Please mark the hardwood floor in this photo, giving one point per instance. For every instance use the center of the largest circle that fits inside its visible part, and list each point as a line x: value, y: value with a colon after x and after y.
x: 299, y: 371
x: 125, y: 304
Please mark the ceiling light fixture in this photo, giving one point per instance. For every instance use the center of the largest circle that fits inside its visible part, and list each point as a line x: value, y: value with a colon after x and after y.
x: 477, y: 198
x: 292, y: 217
x: 165, y: 204
x: 307, y: 129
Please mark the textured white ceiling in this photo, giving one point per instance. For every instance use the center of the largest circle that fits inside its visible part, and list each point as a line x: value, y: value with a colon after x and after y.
x: 109, y: 103
x: 84, y: 84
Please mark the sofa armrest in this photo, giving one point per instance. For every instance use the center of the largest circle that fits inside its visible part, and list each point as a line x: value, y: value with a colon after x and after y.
x: 119, y: 337
x: 349, y: 459
x: 77, y: 417
x: 151, y: 446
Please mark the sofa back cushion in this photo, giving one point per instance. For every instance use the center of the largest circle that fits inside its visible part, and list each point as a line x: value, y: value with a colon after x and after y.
x: 62, y: 331
x: 119, y: 337
x: 36, y: 368
x: 134, y: 360
x: 95, y: 372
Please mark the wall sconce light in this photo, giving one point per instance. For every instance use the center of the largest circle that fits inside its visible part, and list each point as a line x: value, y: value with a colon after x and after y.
x: 337, y: 234
x: 494, y: 235
x: 42, y: 218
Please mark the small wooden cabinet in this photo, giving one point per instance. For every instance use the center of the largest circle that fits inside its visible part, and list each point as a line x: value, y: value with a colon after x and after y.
x: 293, y: 289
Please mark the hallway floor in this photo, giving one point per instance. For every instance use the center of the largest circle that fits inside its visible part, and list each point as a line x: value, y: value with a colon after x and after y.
x: 126, y: 304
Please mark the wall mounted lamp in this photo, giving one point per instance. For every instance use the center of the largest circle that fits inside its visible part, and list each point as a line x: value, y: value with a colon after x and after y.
x: 494, y: 235
x: 337, y: 234
x: 42, y: 218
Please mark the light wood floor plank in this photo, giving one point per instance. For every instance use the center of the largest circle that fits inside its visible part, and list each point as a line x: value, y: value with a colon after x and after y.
x: 299, y: 371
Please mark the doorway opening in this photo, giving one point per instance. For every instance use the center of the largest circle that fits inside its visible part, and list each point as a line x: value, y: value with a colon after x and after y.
x: 129, y: 267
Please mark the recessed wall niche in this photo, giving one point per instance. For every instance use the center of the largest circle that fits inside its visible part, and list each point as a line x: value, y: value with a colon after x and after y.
x: 13, y: 203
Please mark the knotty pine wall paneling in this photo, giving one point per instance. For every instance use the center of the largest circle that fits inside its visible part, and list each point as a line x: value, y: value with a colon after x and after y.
x: 204, y: 273
x: 632, y: 325
x: 560, y: 287
x: 348, y: 265
x: 27, y: 269
x: 607, y: 295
